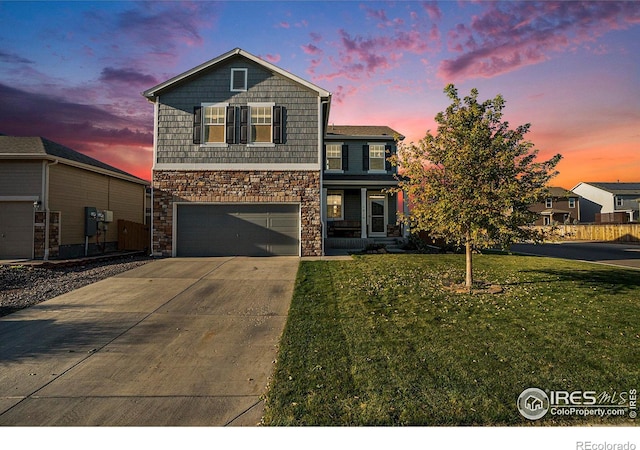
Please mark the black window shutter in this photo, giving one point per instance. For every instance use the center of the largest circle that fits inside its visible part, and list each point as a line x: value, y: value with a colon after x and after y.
x: 197, y: 124
x: 387, y: 154
x: 345, y: 157
x: 278, y: 125
x: 244, y: 124
x: 365, y: 158
x: 231, y: 124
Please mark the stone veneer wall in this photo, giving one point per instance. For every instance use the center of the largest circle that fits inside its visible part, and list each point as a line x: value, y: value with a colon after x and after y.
x: 301, y: 187
x: 39, y: 234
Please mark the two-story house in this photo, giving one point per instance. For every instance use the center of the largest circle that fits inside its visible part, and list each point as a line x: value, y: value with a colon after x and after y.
x: 609, y: 202
x: 559, y: 207
x: 240, y: 163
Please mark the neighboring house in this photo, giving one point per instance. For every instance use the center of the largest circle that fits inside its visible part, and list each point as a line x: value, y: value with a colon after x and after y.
x: 44, y: 189
x: 560, y: 207
x: 609, y: 202
x: 239, y: 163
x: 356, y: 174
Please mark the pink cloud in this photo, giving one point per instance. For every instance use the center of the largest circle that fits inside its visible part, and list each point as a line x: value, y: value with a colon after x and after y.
x: 311, y: 49
x: 127, y: 76
x: 433, y: 10
x: 13, y: 58
x: 510, y: 35
x: 315, y: 37
x: 285, y: 25
x: 378, y: 14
x: 147, y: 29
x: 272, y: 58
x: 342, y: 92
x: 362, y: 56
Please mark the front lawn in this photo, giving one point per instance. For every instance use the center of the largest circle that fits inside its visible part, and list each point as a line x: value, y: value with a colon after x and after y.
x: 380, y: 340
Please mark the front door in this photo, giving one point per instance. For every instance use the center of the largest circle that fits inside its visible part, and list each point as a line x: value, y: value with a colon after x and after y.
x: 377, y: 214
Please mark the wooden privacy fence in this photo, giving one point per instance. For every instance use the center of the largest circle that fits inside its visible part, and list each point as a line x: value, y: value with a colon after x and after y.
x: 133, y: 236
x: 621, y: 232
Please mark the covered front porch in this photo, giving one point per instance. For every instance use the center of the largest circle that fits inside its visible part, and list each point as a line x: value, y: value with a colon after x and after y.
x: 354, y: 217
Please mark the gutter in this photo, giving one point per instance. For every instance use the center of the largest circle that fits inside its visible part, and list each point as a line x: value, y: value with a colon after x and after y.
x: 47, y: 210
x: 323, y: 122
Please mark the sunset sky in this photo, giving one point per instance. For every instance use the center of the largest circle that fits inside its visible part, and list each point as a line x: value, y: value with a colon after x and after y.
x: 73, y: 71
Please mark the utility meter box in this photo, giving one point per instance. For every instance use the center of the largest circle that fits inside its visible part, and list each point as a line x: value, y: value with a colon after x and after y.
x: 108, y: 216
x: 90, y: 221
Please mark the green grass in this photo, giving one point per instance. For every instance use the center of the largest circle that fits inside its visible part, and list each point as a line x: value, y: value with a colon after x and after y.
x: 380, y: 341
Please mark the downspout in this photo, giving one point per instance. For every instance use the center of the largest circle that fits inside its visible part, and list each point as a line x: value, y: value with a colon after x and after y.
x: 47, y: 211
x: 151, y: 218
x: 156, y: 106
x: 321, y: 133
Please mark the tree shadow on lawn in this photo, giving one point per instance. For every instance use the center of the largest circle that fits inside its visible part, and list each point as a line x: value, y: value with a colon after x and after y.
x: 615, y: 281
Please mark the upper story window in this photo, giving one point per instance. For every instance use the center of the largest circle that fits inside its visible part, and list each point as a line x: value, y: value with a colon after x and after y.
x: 214, y: 124
x: 261, y: 123
x: 239, y: 80
x: 334, y: 157
x: 377, y: 157
x: 619, y: 201
x: 572, y: 202
x: 548, y: 203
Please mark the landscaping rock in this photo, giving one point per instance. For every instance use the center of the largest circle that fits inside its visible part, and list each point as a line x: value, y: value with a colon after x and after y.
x: 22, y: 286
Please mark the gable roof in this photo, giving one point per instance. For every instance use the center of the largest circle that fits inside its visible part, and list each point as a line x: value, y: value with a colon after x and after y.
x: 561, y: 192
x: 616, y: 188
x: 152, y: 93
x: 14, y: 147
x: 361, y: 131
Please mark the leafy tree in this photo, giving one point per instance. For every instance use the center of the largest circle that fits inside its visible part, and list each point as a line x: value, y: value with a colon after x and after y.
x: 473, y: 182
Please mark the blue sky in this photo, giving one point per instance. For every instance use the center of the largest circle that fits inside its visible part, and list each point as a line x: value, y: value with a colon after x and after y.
x: 73, y: 71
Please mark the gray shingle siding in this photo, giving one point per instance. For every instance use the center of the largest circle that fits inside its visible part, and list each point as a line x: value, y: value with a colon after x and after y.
x: 355, y: 154
x: 175, y: 118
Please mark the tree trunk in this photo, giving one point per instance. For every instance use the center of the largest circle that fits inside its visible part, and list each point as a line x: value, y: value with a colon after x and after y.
x: 469, y: 275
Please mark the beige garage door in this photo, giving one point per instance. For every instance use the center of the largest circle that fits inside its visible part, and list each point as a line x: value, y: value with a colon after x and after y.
x: 16, y: 230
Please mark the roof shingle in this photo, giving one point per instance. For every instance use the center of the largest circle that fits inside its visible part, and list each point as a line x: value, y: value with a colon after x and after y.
x: 38, y: 146
x: 362, y: 130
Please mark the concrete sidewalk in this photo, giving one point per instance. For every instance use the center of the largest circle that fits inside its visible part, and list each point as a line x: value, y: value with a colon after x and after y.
x: 176, y: 342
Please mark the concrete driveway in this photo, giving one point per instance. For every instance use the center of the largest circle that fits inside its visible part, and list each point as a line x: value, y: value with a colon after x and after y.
x: 176, y: 342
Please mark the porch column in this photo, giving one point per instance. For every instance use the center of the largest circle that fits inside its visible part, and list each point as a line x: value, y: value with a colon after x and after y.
x: 405, y: 210
x: 363, y: 213
x: 323, y: 212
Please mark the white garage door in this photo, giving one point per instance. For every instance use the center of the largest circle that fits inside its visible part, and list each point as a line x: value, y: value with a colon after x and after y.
x: 16, y: 230
x: 238, y: 230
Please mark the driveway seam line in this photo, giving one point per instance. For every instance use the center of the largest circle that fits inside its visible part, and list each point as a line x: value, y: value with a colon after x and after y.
x: 243, y: 413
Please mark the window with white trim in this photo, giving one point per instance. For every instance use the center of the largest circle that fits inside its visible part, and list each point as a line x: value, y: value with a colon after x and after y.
x: 377, y: 157
x: 546, y: 220
x: 572, y: 202
x: 214, y: 123
x: 548, y: 203
x: 334, y: 205
x: 239, y: 80
x: 334, y: 157
x: 619, y: 201
x: 261, y: 121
